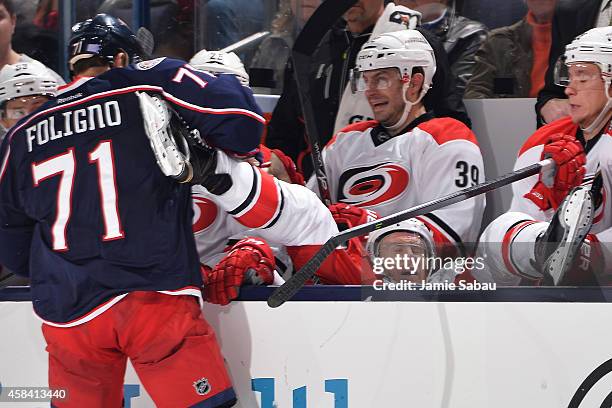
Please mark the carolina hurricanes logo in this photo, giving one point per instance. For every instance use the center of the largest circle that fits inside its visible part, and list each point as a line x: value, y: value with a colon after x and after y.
x: 204, y: 213
x: 368, y: 186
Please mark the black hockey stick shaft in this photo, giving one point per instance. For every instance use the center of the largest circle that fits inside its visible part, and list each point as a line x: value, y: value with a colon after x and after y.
x: 305, y: 45
x: 293, y: 284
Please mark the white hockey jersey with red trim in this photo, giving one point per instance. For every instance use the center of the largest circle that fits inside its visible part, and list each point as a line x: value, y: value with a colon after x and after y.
x: 281, y: 213
x: 599, y: 159
x: 508, y: 255
x: 285, y: 215
x: 369, y: 168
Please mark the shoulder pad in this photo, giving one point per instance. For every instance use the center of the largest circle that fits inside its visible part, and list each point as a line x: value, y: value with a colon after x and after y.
x: 563, y: 125
x: 444, y: 130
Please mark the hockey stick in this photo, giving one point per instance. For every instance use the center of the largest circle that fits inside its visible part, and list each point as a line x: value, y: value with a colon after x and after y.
x: 293, y: 284
x: 305, y: 45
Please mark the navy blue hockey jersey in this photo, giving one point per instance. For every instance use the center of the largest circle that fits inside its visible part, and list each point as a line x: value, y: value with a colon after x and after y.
x: 85, y: 210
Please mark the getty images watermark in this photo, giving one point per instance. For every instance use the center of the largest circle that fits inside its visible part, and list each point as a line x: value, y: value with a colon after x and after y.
x: 405, y: 272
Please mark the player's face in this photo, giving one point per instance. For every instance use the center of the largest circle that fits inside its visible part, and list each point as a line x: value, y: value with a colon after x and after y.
x: 585, y: 93
x: 7, y: 27
x: 409, y: 253
x: 17, y: 108
x: 384, y: 93
x: 364, y: 13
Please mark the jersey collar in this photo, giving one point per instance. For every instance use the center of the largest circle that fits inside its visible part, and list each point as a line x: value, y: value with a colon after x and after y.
x: 380, y: 135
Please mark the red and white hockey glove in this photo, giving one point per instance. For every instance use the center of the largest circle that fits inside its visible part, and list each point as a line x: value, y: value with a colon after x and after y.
x: 250, y: 262
x: 569, y: 157
x: 294, y: 175
x: 349, y: 216
x: 281, y: 166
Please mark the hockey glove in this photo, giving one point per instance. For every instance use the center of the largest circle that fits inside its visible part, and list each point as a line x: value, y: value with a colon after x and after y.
x: 349, y: 216
x: 569, y: 157
x: 249, y: 262
x: 294, y: 175
x: 280, y: 165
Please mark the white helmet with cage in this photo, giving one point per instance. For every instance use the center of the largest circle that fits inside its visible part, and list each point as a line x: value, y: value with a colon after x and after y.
x: 591, y: 47
x: 404, y: 50
x: 26, y: 79
x: 220, y: 62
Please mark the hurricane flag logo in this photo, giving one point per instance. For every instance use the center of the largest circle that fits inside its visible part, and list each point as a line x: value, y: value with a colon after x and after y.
x: 373, y: 185
x: 204, y: 213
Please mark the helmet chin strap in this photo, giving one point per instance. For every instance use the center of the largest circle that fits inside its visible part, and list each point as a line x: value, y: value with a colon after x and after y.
x: 399, y: 125
x: 599, y: 120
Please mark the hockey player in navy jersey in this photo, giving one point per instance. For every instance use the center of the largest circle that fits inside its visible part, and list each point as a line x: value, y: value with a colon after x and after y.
x: 106, y: 237
x: 545, y: 227
x: 406, y: 156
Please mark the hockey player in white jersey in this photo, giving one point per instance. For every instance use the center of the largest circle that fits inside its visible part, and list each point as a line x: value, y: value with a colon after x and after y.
x: 581, y: 145
x: 406, y: 156
x: 234, y: 248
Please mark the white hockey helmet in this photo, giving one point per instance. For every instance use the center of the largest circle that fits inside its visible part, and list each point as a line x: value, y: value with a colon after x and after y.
x: 219, y: 62
x: 594, y: 46
x: 591, y: 47
x: 25, y: 79
x: 411, y: 225
x: 404, y: 50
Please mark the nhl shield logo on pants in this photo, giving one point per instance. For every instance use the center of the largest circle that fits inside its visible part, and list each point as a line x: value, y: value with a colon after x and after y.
x: 202, y: 386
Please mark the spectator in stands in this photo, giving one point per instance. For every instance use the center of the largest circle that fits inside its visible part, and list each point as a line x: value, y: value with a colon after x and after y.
x: 274, y: 51
x: 513, y: 60
x: 331, y: 65
x: 460, y: 36
x: 493, y: 13
x: 571, y: 18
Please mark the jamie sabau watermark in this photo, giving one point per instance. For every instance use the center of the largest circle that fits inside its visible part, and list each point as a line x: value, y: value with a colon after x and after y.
x: 404, y: 272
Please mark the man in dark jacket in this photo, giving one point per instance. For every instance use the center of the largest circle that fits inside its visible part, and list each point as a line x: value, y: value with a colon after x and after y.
x: 572, y: 17
x: 329, y: 71
x: 460, y: 36
x: 513, y: 60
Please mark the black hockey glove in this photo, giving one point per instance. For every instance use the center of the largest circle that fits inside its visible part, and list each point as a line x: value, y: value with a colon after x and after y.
x: 200, y: 168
